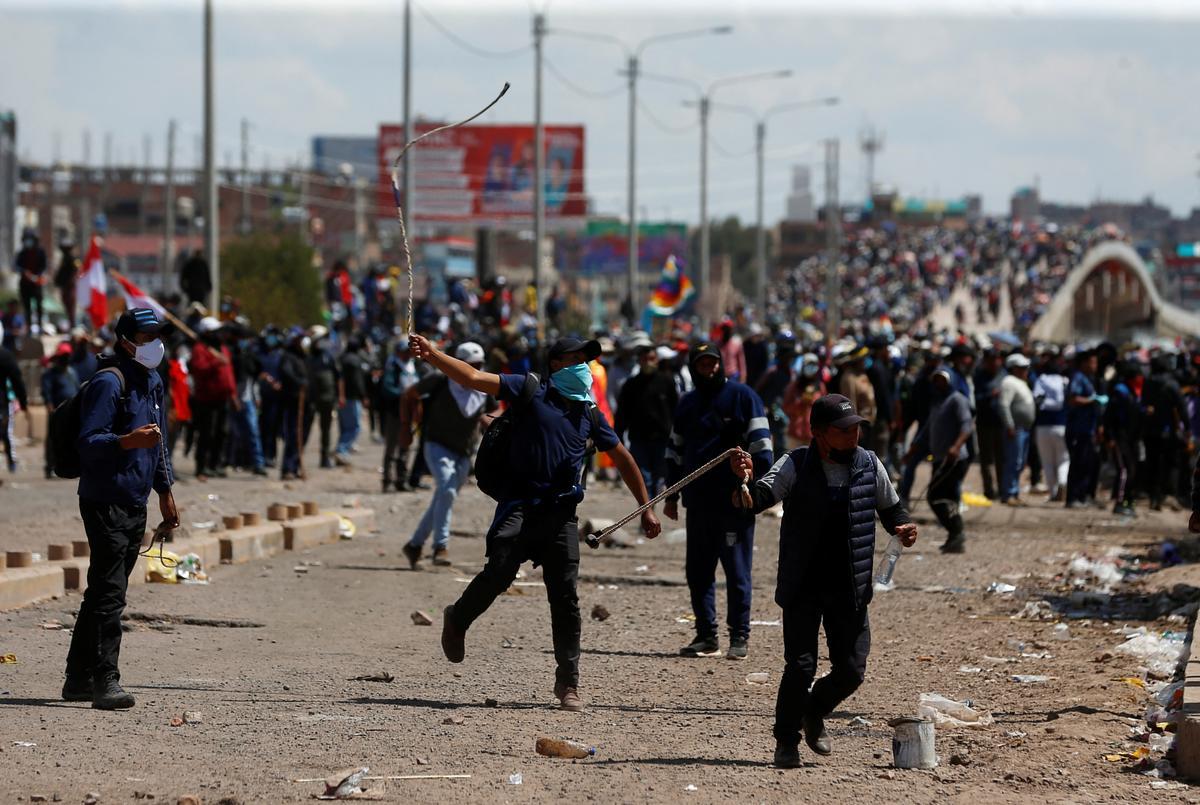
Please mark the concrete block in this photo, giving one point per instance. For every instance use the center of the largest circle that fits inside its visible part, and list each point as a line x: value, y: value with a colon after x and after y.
x: 309, y: 508
x: 251, y: 518
x: 1187, y: 742
x: 277, y: 512
x: 22, y: 586
x: 19, y: 558
x: 294, y: 511
x: 58, y: 551
x: 363, y: 519
x: 308, y: 532
x: 206, y: 546
x: 81, y: 547
x: 248, y: 544
x: 232, y: 522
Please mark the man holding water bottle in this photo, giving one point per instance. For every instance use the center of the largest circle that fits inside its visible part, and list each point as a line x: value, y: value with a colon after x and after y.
x: 832, y: 491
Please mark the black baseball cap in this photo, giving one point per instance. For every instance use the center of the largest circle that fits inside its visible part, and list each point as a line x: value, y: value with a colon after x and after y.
x: 137, y: 320
x: 704, y: 350
x: 835, y: 410
x: 590, y: 349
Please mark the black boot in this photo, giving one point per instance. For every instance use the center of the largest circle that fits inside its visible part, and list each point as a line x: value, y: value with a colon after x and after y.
x: 815, y: 735
x: 77, y: 689
x: 109, y: 695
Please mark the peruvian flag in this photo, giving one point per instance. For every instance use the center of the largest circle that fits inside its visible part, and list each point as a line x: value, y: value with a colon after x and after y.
x: 91, y: 291
x: 136, y: 297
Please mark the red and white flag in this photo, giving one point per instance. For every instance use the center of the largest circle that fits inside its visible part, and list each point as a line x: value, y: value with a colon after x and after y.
x: 91, y: 291
x: 136, y: 297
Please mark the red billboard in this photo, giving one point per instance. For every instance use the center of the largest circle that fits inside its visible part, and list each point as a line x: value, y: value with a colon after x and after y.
x: 480, y: 174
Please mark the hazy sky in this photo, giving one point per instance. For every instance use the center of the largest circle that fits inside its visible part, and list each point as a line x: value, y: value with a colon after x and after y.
x: 979, y: 99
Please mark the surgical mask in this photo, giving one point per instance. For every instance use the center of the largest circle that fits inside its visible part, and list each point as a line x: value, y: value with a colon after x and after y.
x: 574, y: 382
x: 150, y: 355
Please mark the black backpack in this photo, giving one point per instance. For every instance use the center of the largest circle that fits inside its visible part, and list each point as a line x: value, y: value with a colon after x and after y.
x: 64, y: 428
x: 492, y: 471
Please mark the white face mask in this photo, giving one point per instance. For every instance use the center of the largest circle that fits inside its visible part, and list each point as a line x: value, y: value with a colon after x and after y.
x: 150, y: 355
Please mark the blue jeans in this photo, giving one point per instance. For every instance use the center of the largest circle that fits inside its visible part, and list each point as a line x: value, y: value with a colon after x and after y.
x: 349, y: 424
x: 1016, y: 450
x: 709, y: 542
x: 651, y: 458
x: 449, y: 470
x: 246, y: 441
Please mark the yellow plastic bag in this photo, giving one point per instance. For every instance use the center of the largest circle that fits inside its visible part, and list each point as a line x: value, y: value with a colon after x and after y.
x: 160, y: 567
x: 976, y: 500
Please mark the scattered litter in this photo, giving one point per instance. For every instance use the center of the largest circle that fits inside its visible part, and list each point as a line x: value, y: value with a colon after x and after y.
x: 950, y: 713
x: 204, y: 525
x: 456, y: 721
x: 160, y: 567
x: 600, y: 613
x: 346, y: 528
x: 1160, y: 652
x: 190, y: 570
x: 555, y: 747
x: 300, y: 569
x: 1167, y: 784
x: 382, y: 676
x: 345, y: 784
x: 976, y: 500
x: 859, y: 721
x: 53, y: 626
x: 1061, y: 631
x: 1015, y: 734
x: 420, y: 618
x: 1001, y: 588
x: 25, y: 744
x: 758, y: 678
x: 969, y: 669
x: 690, y: 787
x: 1133, y: 681
x: 1101, y: 574
x: 642, y: 569
x: 214, y: 498
x: 190, y: 717
x: 1136, y: 754
x: 8, y: 659
x: 1030, y: 679
x: 1035, y: 611
x: 508, y: 643
x: 515, y: 779
x: 766, y: 623
x: 1160, y: 741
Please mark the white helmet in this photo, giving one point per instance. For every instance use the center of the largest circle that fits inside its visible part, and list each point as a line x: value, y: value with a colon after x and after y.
x: 469, y: 352
x: 208, y: 324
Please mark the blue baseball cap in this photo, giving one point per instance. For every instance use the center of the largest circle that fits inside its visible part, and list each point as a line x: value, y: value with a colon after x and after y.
x: 138, y: 320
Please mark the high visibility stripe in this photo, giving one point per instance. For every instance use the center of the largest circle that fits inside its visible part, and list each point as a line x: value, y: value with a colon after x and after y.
x: 759, y: 446
x: 758, y: 423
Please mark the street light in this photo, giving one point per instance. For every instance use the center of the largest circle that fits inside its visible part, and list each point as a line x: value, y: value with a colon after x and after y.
x: 632, y: 71
x: 705, y: 101
x: 760, y: 137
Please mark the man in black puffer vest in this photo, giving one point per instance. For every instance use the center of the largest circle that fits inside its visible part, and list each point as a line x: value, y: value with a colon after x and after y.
x: 831, y: 492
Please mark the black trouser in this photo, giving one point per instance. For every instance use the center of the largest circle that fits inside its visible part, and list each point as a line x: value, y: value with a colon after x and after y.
x: 991, y: 457
x: 1084, y: 472
x: 848, y: 636
x: 114, y: 533
x: 211, y: 421
x: 48, y: 447
x: 270, y: 419
x: 31, y: 296
x: 549, y: 536
x: 393, y: 454
x: 945, y: 494
x: 1161, y: 453
x: 1125, y: 460
x: 323, y: 414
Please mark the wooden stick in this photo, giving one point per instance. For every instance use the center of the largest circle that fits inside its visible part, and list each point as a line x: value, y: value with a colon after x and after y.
x: 395, y: 777
x: 171, y: 317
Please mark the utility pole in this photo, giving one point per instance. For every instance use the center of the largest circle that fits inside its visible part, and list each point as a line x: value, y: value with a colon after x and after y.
x: 410, y: 183
x: 212, y: 212
x: 833, y: 244
x: 760, y: 235
x: 245, y: 224
x: 57, y: 156
x: 169, y: 220
x: 871, y: 142
x: 108, y: 176
x: 360, y: 219
x: 702, y: 275
x: 87, y: 148
x: 634, y: 257
x: 145, y: 184
x: 539, y: 194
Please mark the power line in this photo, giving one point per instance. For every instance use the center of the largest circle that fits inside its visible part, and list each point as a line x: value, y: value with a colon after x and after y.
x: 659, y: 124
x: 571, y: 85
x: 469, y: 47
x: 725, y: 152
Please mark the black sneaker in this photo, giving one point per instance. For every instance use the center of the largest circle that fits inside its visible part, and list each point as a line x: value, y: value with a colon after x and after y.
x: 738, y: 648
x: 815, y: 735
x: 77, y: 689
x: 702, y: 647
x: 787, y: 756
x: 453, y: 641
x: 954, y: 545
x: 109, y: 695
x: 413, y: 554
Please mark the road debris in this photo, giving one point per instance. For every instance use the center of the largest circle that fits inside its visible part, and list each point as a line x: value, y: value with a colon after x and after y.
x: 600, y: 613
x: 946, y: 712
x: 382, y: 676
x: 420, y: 618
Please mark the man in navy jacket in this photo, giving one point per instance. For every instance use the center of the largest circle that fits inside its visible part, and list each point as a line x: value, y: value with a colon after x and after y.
x: 121, y: 458
x: 831, y: 492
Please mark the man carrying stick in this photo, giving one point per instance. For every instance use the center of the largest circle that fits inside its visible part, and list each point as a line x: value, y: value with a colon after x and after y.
x: 831, y: 492
x: 537, y: 522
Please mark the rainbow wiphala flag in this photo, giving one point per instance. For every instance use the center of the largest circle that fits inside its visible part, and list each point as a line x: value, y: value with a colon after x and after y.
x: 673, y: 293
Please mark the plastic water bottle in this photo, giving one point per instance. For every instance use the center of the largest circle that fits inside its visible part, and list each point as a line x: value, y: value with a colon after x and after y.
x: 887, y: 566
x: 554, y: 747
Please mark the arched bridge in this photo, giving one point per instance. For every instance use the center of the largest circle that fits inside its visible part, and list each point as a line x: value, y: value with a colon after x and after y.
x: 1111, y: 295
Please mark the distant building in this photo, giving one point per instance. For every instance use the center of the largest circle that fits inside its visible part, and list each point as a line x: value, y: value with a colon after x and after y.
x: 332, y: 155
x: 800, y: 205
x: 1024, y: 205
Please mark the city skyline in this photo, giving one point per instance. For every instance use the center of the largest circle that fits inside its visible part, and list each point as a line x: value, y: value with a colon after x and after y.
x: 1091, y: 107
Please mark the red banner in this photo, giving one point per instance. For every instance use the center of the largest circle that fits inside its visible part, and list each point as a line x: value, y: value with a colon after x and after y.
x: 478, y: 174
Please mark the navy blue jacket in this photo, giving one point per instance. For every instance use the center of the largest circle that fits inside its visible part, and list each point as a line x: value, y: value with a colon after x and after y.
x: 705, y: 426
x: 109, y: 474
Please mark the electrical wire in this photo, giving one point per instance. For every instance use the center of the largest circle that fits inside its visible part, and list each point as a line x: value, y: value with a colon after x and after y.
x: 725, y: 152
x: 584, y: 91
x: 467, y: 46
x: 666, y: 127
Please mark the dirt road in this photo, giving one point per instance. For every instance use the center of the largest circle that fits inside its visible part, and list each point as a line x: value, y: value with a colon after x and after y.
x: 276, y: 703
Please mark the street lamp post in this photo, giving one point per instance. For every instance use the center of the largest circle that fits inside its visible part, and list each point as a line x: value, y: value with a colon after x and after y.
x: 633, y: 56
